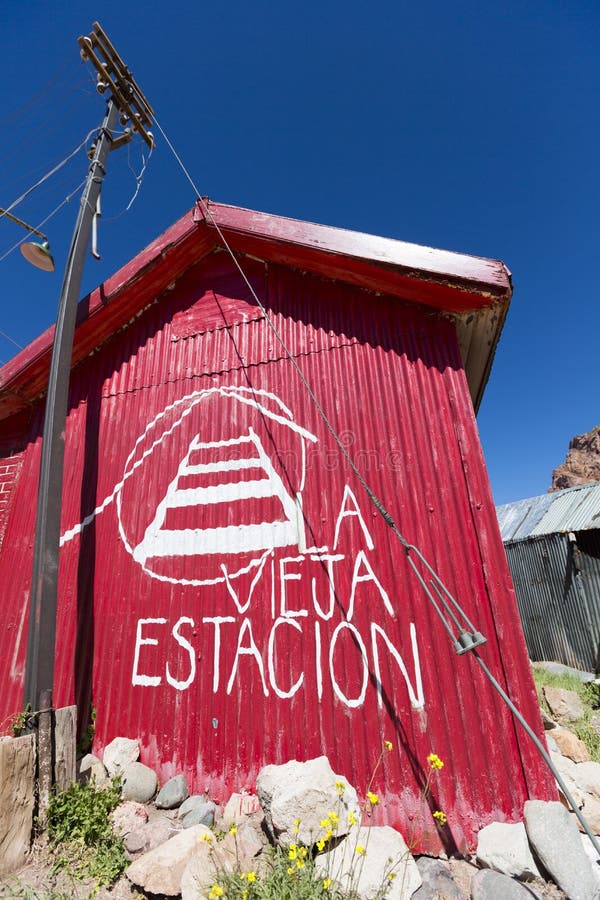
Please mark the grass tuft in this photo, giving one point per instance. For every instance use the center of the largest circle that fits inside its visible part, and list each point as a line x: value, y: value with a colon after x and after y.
x: 589, y: 694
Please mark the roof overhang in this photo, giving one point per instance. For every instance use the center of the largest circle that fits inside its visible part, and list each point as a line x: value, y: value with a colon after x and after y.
x: 475, y: 292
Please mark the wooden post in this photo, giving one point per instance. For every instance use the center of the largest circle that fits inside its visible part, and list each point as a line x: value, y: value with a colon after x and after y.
x: 45, y: 762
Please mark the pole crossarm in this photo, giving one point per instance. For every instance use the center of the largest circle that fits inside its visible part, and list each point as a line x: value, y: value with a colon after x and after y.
x: 5, y: 213
x: 114, y: 75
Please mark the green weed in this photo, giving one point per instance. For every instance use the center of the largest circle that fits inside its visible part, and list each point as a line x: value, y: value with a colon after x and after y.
x: 81, y: 833
x: 278, y: 879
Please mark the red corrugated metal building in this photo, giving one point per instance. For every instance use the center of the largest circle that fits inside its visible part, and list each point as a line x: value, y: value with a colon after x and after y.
x: 228, y: 594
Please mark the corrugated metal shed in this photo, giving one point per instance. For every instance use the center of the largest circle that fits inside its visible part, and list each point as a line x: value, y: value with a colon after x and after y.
x: 573, y: 509
x: 227, y: 593
x: 552, y: 544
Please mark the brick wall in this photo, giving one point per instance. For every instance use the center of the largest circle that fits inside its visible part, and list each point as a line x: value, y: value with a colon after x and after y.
x: 10, y: 469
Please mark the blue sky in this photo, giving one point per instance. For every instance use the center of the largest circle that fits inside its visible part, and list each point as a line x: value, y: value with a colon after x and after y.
x: 471, y: 126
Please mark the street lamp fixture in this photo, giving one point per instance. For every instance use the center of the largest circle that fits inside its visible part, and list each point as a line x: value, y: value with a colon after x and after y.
x: 38, y: 254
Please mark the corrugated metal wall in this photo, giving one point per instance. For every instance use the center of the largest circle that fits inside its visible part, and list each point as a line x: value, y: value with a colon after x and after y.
x: 227, y: 593
x: 557, y: 583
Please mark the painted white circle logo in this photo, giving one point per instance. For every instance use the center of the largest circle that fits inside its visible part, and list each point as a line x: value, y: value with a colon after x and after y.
x: 212, y: 486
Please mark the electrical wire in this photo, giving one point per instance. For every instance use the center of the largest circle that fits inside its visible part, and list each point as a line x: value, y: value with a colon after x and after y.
x: 38, y: 131
x: 409, y: 549
x: 54, y: 80
x: 49, y: 174
x: 12, y: 340
x: 138, y: 180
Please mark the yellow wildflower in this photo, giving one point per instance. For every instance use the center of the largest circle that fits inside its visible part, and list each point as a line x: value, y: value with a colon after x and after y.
x: 341, y: 787
x: 372, y: 798
x: 296, y: 821
x: 299, y: 864
x: 321, y: 845
x: 327, y: 883
x: 207, y: 838
x: 215, y: 891
x: 292, y: 852
x: 440, y: 817
x: 290, y: 870
x: 251, y: 876
x: 328, y: 834
x: 434, y: 761
x: 325, y: 823
x: 352, y: 820
x: 388, y: 745
x: 333, y: 817
x: 302, y: 852
x: 244, y: 894
x: 360, y: 849
x: 391, y: 876
x: 233, y: 830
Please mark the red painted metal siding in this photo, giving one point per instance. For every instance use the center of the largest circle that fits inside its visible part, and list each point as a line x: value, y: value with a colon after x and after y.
x: 225, y: 585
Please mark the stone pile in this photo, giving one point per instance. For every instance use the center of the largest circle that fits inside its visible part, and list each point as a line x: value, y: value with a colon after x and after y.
x: 178, y: 844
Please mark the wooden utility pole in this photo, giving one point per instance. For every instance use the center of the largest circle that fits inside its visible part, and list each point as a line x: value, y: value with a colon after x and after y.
x: 128, y: 105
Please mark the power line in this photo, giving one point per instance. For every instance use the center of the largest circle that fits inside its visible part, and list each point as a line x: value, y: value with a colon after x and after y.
x: 49, y: 174
x: 55, y: 80
x: 12, y: 340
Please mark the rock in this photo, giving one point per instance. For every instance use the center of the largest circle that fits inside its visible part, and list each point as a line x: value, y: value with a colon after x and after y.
x: 304, y: 793
x: 505, y: 848
x: 385, y: 860
x: 555, y: 840
x: 587, y: 775
x: 570, y: 745
x: 582, y: 463
x: 151, y: 835
x: 238, y: 807
x: 437, y: 881
x: 462, y: 873
x: 560, y: 669
x: 160, y: 870
x: 564, y: 705
x: 551, y: 743
x: 128, y: 816
x: 173, y: 793
x: 90, y: 768
x: 119, y: 753
x: 134, y: 842
x: 567, y: 769
x: 192, y: 802
x: 209, y: 858
x: 591, y: 811
x: 547, y: 722
x: 592, y: 856
x: 204, y: 814
x: 139, y: 782
x: 251, y: 839
x: 490, y: 885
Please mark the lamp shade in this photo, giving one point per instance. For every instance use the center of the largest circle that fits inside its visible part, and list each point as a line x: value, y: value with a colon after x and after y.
x: 38, y: 255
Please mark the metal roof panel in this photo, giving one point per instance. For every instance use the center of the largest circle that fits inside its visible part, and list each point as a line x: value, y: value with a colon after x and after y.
x: 574, y: 509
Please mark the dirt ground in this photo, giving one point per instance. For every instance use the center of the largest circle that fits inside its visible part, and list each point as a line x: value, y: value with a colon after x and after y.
x: 37, y: 881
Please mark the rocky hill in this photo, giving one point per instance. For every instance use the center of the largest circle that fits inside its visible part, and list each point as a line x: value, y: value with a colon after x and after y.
x: 582, y: 463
